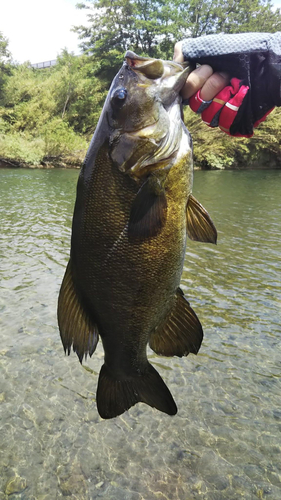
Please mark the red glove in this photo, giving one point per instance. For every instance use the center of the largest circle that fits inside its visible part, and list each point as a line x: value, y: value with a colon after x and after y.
x: 222, y: 110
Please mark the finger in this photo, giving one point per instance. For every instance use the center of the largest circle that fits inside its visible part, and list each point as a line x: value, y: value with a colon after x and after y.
x: 196, y: 80
x: 178, y: 56
x: 214, y: 85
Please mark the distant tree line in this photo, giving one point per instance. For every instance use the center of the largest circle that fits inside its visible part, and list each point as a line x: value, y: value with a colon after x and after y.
x: 47, y: 116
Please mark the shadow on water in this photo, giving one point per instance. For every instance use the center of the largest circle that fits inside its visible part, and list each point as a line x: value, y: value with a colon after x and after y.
x: 225, y: 441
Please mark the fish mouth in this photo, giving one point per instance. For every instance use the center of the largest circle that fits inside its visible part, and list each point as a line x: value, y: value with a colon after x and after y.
x: 152, y: 68
x: 138, y: 62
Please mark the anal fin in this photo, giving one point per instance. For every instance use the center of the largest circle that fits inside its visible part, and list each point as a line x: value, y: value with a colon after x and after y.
x: 199, y: 224
x: 76, y: 327
x: 181, y: 333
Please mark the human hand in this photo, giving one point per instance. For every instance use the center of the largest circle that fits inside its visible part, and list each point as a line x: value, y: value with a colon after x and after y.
x: 242, y: 104
x: 213, y: 95
x: 202, y: 78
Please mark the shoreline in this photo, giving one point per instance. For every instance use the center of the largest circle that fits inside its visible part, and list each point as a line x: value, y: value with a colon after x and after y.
x: 265, y: 161
x: 10, y: 165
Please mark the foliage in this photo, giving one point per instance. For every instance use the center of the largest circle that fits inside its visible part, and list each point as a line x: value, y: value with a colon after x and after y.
x: 22, y: 148
x: 27, y: 99
x: 121, y: 25
x: 61, y: 140
x: 206, y: 17
x: 151, y: 27
x: 80, y: 94
x: 40, y: 110
x: 4, y: 52
x: 55, y: 142
x: 4, y: 60
x: 70, y: 90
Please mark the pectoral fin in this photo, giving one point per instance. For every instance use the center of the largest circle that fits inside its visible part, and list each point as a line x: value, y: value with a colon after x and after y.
x: 181, y: 333
x: 77, y: 329
x: 149, y: 210
x: 200, y: 226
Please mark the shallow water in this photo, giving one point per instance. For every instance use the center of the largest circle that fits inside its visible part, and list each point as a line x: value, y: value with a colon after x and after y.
x: 225, y: 441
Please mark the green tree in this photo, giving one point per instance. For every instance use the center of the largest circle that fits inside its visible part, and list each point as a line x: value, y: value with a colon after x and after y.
x: 69, y: 91
x: 4, y: 61
x: 120, y: 25
x: 4, y: 52
x: 152, y: 27
x: 28, y: 98
x: 144, y: 26
x: 79, y: 94
x: 37, y: 120
x: 232, y: 16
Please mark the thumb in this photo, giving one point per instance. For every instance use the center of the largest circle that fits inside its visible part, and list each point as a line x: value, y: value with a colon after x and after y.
x: 178, y: 55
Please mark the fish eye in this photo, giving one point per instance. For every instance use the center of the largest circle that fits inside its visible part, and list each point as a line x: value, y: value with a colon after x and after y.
x: 120, y: 95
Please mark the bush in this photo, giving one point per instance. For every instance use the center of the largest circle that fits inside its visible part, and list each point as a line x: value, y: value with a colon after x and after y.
x: 55, y: 141
x: 61, y: 140
x: 22, y: 148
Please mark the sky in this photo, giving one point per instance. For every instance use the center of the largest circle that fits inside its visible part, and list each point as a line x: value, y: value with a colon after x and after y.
x: 38, y: 30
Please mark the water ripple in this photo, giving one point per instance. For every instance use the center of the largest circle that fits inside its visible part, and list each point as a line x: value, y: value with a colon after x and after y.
x: 224, y: 444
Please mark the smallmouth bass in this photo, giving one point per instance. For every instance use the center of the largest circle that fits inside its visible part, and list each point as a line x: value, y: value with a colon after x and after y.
x: 133, y: 212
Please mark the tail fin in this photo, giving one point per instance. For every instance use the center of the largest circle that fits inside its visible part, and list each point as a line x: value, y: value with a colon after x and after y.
x: 116, y: 396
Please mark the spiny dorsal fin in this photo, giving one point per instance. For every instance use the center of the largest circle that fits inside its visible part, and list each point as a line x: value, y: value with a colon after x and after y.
x: 181, y: 333
x: 200, y: 226
x: 149, y: 209
x: 77, y: 329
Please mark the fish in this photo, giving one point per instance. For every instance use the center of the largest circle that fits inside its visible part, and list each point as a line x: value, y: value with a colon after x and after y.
x: 133, y: 212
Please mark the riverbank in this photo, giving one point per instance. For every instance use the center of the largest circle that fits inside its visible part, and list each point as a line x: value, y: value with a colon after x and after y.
x: 266, y: 161
x: 46, y: 164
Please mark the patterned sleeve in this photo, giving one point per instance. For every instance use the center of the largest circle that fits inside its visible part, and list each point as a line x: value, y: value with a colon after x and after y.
x: 252, y: 58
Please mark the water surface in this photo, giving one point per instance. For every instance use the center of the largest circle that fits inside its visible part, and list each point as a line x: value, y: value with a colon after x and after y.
x: 224, y: 443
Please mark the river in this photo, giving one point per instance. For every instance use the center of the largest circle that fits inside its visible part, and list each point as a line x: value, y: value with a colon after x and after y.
x: 225, y: 441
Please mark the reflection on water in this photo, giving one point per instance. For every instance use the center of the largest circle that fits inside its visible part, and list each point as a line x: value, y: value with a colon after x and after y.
x: 225, y: 441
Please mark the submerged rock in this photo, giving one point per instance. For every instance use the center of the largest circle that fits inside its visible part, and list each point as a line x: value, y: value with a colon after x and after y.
x: 15, y: 485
